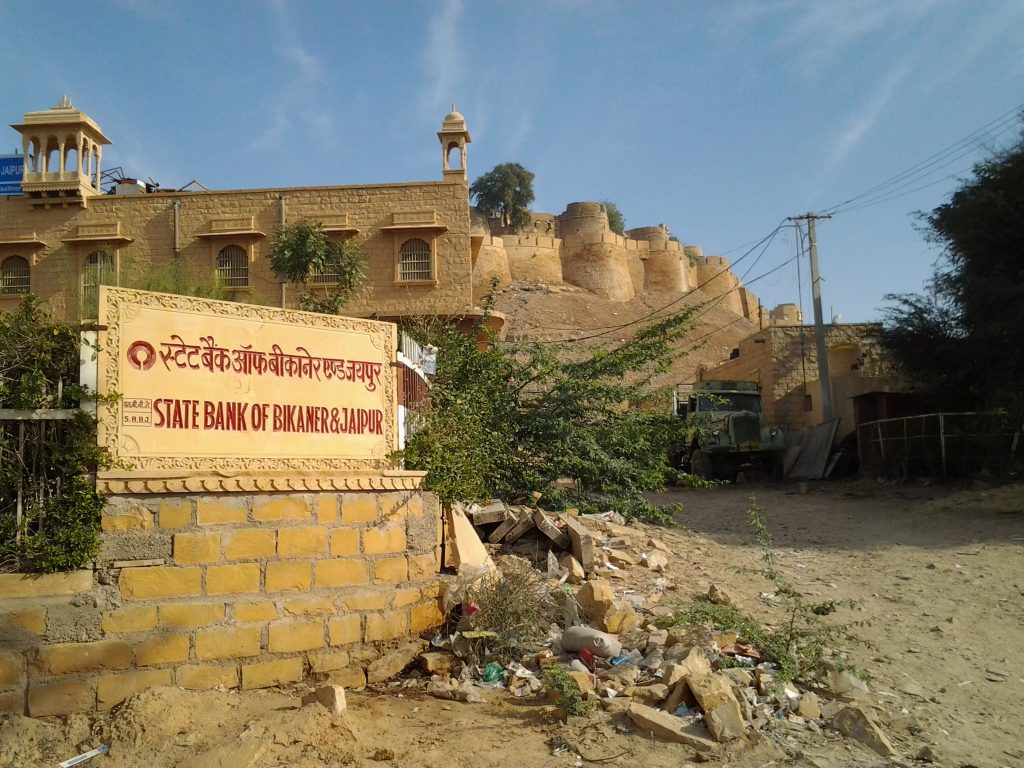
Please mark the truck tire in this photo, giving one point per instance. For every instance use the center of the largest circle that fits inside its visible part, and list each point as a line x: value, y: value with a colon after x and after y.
x: 702, y: 465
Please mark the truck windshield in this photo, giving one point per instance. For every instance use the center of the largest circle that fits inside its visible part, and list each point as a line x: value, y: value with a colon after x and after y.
x: 729, y: 401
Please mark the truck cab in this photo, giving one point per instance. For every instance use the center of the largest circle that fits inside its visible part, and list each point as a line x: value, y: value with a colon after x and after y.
x: 729, y: 432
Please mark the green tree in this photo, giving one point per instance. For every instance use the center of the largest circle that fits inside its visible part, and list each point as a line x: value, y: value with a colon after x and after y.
x: 330, y: 272
x: 616, y: 221
x: 507, y: 420
x: 506, y: 191
x: 963, y: 333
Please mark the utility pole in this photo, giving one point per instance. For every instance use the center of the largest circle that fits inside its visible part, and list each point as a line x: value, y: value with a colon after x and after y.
x: 819, y: 326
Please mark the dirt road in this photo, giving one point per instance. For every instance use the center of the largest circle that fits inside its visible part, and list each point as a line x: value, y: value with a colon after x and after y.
x: 938, y: 574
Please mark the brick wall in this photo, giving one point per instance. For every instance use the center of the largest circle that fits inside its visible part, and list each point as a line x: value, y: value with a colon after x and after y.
x: 225, y: 590
x: 148, y: 221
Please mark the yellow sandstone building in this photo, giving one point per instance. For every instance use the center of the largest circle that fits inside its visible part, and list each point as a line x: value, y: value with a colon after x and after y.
x: 428, y: 252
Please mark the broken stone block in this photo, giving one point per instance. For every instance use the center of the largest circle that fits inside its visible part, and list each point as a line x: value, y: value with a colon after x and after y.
x: 581, y: 540
x: 330, y: 696
x: 695, y: 663
x: 620, y: 558
x: 511, y: 520
x: 550, y: 530
x: 352, y: 678
x: 584, y: 681
x: 658, y: 544
x: 722, y: 711
x: 719, y: 596
x: 434, y: 662
x: 739, y: 677
x: 854, y: 723
x: 650, y: 694
x: 809, y: 706
x: 391, y: 664
x: 620, y: 677
x: 621, y: 618
x: 668, y: 727
x: 616, y: 706
x: 573, y: 567
x: 467, y: 549
x: 595, y: 597
x: 656, y: 561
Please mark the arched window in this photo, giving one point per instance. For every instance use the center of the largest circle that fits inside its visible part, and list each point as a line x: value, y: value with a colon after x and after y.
x: 233, y: 266
x: 15, y: 276
x: 99, y: 270
x: 415, y: 261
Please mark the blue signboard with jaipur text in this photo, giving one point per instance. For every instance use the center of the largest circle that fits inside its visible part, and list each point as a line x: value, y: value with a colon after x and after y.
x: 11, y: 167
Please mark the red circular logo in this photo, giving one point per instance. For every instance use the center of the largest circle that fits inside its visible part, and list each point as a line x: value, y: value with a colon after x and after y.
x: 141, y: 355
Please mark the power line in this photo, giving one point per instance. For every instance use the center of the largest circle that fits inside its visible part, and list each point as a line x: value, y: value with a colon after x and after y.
x: 942, y: 158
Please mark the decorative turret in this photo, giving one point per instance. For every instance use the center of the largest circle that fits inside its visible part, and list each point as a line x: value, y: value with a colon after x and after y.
x: 454, y: 136
x: 63, y: 151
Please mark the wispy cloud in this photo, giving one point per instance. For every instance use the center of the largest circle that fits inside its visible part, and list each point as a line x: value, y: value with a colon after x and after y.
x: 864, y: 120
x: 442, y: 58
x: 297, y: 96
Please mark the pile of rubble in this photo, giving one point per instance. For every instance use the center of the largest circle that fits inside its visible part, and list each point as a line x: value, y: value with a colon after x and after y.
x: 702, y: 686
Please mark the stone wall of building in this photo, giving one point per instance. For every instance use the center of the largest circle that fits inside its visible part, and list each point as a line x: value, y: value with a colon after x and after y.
x: 234, y: 590
x: 139, y: 230
x: 490, y: 263
x: 534, y: 257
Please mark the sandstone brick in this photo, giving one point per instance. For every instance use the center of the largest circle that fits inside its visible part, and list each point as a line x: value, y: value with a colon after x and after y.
x: 307, y: 606
x: 259, y: 611
x: 344, y: 541
x: 266, y: 508
x: 426, y: 616
x: 129, y: 619
x: 327, y: 661
x: 63, y: 658
x: 390, y: 570
x: 163, y: 649
x: 407, y: 596
x: 12, y: 666
x: 61, y: 698
x: 13, y: 702
x: 291, y: 636
x: 386, y: 626
x: 423, y: 566
x: 291, y: 575
x: 232, y: 579
x: 352, y: 678
x: 31, y: 621
x: 44, y: 585
x: 367, y: 600
x: 113, y: 689
x: 306, y: 541
x: 227, y: 643
x: 160, y: 581
x: 175, y: 513
x: 341, y: 573
x: 201, y: 677
x: 344, y: 630
x: 131, y: 518
x: 194, y: 548
x: 190, y: 615
x: 384, y: 540
x: 250, y: 544
x: 268, y: 673
x: 326, y: 508
x: 215, y: 510
x: 359, y: 508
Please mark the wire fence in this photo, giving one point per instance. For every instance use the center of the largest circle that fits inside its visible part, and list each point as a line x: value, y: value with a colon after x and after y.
x: 937, y: 445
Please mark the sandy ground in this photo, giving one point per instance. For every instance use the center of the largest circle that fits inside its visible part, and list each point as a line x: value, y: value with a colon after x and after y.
x: 938, y: 574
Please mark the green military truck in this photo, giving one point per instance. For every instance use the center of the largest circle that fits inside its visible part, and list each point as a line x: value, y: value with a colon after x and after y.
x: 729, y: 433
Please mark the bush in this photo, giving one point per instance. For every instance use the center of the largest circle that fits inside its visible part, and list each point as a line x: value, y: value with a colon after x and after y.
x: 60, y: 525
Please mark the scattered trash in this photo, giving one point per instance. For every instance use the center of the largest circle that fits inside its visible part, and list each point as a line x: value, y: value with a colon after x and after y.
x: 84, y: 757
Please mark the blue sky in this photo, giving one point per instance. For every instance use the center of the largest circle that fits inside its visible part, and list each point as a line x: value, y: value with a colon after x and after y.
x: 718, y: 119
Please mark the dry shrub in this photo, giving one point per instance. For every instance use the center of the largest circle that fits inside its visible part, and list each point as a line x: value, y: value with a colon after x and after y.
x: 518, y: 606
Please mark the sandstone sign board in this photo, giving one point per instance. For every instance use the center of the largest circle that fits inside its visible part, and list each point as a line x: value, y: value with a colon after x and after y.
x: 214, y: 386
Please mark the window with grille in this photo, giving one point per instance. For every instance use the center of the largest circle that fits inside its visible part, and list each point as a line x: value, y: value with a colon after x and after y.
x: 415, y: 261
x: 99, y: 270
x: 233, y: 266
x: 15, y: 276
x: 328, y: 274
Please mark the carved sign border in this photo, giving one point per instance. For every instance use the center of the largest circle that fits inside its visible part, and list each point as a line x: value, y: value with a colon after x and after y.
x: 117, y: 304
